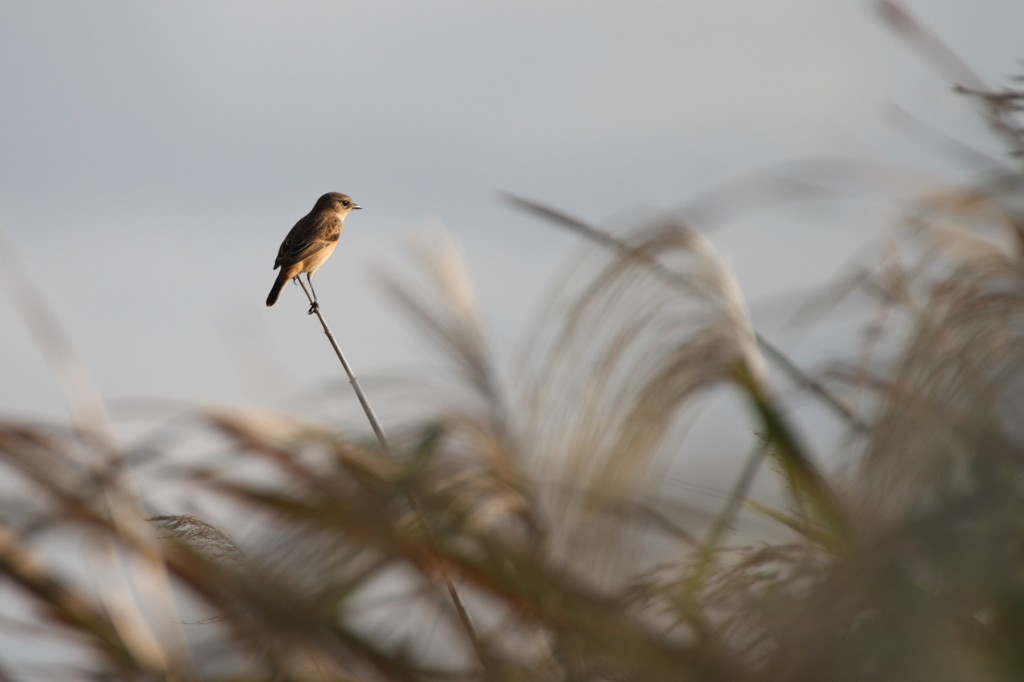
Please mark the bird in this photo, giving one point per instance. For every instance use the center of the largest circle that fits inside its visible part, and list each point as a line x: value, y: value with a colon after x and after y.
x: 311, y: 242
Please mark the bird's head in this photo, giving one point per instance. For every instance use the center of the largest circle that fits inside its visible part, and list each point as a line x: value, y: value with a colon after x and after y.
x: 337, y: 202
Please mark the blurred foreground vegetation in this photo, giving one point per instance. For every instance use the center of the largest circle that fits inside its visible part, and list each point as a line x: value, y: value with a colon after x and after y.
x: 541, y: 508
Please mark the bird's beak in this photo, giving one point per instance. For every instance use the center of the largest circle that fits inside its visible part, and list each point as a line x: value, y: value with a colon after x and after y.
x: 356, y: 206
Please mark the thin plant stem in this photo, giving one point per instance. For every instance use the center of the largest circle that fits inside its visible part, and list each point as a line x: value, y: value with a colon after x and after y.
x: 723, y: 522
x: 382, y: 437
x: 453, y: 591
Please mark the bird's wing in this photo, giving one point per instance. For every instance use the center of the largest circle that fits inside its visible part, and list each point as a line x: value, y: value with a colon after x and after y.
x: 293, y: 252
x: 305, y: 239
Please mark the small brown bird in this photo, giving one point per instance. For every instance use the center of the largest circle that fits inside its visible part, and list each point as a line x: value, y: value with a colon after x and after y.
x: 311, y: 242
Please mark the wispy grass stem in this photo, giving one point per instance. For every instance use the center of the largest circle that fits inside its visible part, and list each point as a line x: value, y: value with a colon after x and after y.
x: 459, y: 604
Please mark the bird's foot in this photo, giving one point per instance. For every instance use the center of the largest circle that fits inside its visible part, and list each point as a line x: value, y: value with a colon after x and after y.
x: 314, y: 306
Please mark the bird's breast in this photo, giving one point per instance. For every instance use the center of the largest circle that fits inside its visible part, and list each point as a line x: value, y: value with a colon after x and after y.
x: 317, y: 259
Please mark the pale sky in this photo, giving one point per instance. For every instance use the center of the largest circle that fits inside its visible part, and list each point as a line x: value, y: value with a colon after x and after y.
x: 153, y: 156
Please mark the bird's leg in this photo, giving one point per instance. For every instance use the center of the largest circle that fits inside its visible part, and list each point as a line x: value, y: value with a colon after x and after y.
x: 315, y: 305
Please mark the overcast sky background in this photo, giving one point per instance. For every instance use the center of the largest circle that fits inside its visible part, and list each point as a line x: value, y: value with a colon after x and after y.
x: 153, y: 156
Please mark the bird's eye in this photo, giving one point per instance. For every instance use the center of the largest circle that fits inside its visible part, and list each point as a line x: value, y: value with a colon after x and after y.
x: 344, y: 202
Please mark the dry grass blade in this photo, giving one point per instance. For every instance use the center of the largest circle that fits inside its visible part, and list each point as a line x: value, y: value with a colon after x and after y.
x: 70, y: 607
x: 1000, y: 107
x: 478, y: 433
x: 622, y: 247
x: 448, y: 312
x: 948, y: 416
x: 928, y: 44
x: 87, y: 408
x: 663, y: 323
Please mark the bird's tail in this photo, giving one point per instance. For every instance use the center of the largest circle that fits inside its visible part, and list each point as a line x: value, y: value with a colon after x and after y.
x: 275, y: 291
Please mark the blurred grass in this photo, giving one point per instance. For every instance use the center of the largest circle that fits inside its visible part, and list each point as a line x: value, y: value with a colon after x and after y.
x: 545, y: 505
